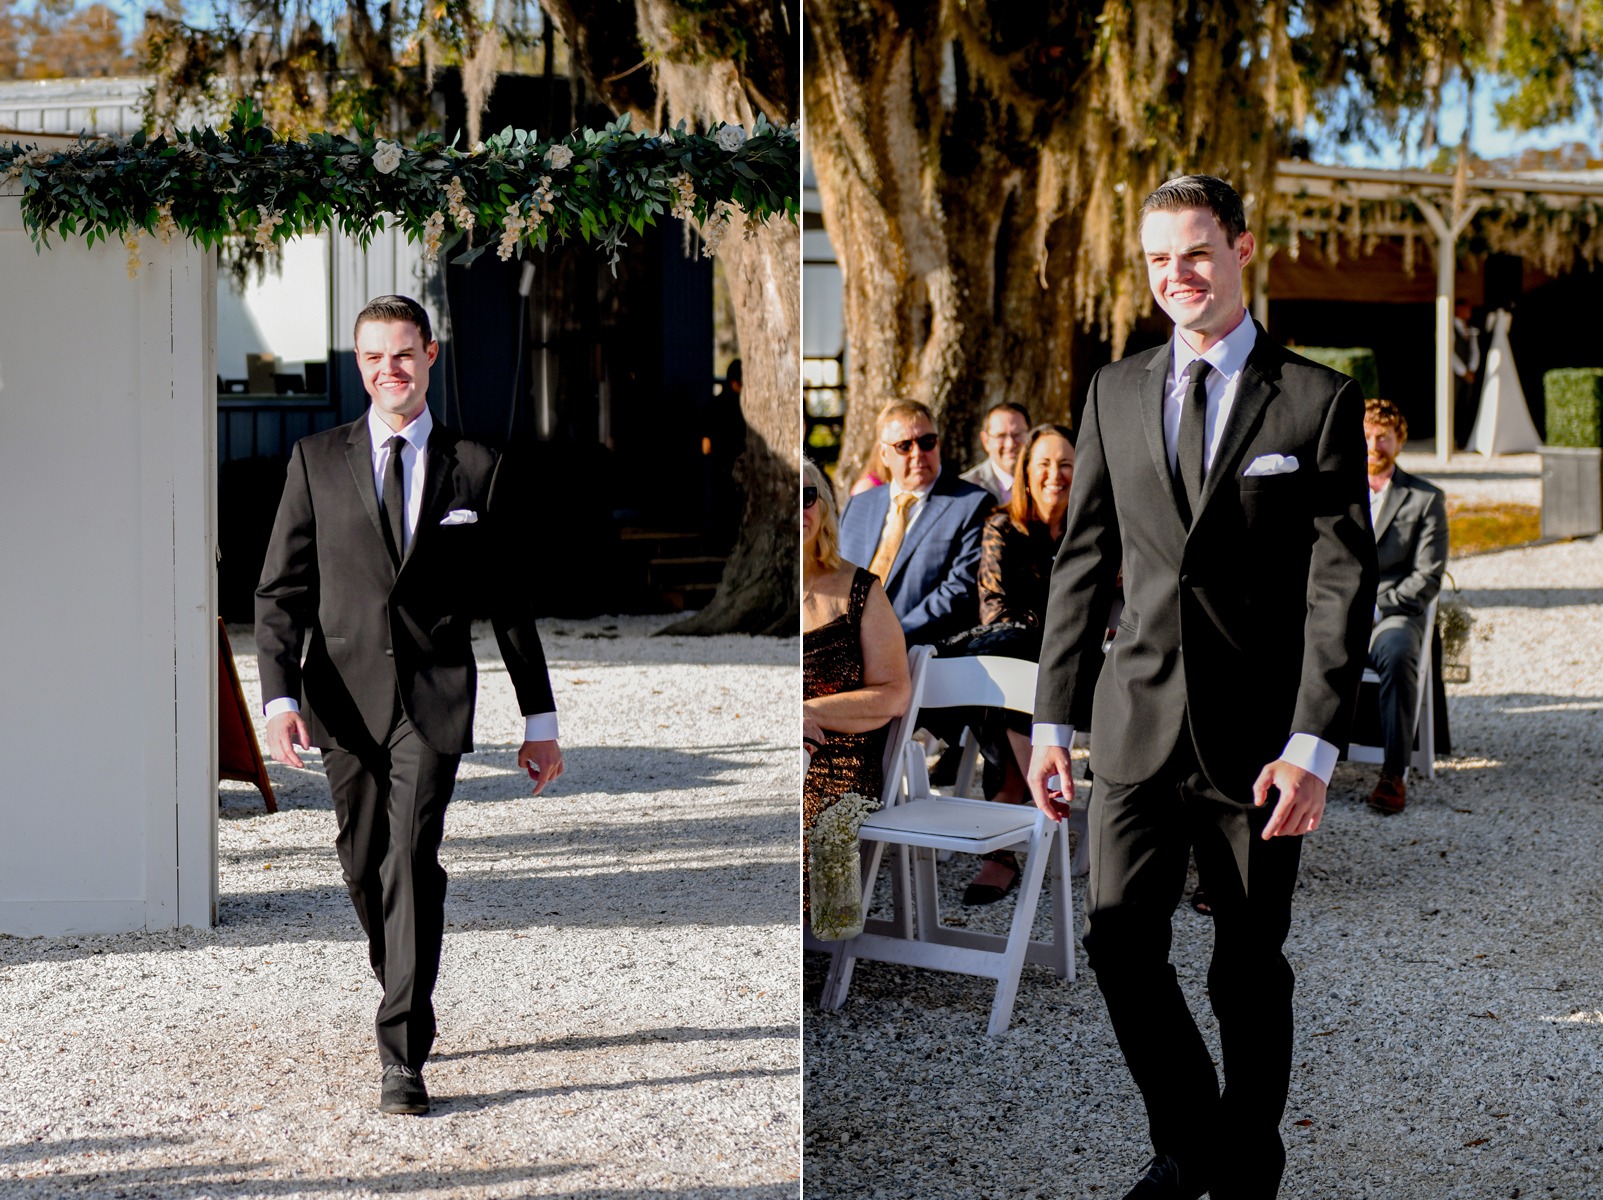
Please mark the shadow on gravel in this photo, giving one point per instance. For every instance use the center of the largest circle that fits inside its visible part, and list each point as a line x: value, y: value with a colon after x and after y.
x: 674, y: 1033
x: 638, y: 770
x: 1532, y: 597
x: 732, y: 894
x: 482, y: 1100
x: 218, y: 1180
x: 21, y: 1152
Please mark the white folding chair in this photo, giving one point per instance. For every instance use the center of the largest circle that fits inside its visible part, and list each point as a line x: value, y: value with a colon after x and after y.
x: 921, y: 823
x: 1423, y: 756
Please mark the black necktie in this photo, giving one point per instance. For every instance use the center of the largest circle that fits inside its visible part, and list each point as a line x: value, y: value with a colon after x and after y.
x: 1190, y: 459
x: 395, y: 501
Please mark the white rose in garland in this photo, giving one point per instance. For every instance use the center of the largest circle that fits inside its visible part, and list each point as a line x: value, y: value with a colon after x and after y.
x: 730, y: 138
x: 558, y: 157
x: 386, y: 157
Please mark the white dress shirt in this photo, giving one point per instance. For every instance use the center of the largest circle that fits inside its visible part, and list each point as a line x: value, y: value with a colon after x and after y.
x: 1377, y: 502
x: 1228, y: 357
x: 538, y: 727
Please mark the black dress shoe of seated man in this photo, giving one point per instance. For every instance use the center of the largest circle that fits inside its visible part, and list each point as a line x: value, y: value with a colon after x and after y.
x: 403, y: 1092
x: 1167, y: 1180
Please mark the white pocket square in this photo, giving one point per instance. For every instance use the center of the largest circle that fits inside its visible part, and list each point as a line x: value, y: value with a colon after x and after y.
x: 1271, y: 464
x: 460, y: 516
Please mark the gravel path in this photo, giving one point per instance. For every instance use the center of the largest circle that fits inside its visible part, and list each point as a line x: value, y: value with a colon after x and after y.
x: 1449, y: 960
x: 617, y: 1002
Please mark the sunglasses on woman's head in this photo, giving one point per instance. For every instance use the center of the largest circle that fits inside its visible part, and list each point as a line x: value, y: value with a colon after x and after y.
x: 925, y: 442
x: 809, y: 496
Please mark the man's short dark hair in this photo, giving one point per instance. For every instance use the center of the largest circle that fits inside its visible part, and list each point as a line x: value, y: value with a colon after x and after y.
x: 1386, y: 412
x: 1199, y: 191
x: 1008, y: 405
x: 397, y: 308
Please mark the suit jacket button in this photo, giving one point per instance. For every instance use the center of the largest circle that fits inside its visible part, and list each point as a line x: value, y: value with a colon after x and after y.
x: 391, y: 653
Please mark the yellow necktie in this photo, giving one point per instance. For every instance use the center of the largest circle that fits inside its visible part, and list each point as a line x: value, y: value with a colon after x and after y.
x: 891, y: 540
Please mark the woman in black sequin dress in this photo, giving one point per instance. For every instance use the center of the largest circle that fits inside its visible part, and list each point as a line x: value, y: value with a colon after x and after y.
x: 854, y: 663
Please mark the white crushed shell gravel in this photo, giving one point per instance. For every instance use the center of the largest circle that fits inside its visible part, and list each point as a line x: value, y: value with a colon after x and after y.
x: 1449, y: 975
x: 617, y: 1000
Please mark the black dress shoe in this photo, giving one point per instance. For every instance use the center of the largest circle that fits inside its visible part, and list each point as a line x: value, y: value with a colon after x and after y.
x: 1165, y: 1180
x: 403, y: 1092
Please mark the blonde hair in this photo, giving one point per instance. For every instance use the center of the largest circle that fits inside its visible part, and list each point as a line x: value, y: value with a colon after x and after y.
x: 826, y: 542
x: 906, y: 410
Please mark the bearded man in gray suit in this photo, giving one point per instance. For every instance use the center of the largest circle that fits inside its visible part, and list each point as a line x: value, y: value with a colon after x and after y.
x: 1409, y: 517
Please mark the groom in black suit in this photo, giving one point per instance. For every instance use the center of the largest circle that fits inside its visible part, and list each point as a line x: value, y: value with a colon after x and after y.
x: 391, y: 534
x: 1226, y: 476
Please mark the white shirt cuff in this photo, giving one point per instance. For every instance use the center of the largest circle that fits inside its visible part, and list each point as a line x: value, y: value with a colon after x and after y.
x: 283, y: 704
x: 1312, y: 754
x: 1044, y: 734
x: 541, y: 727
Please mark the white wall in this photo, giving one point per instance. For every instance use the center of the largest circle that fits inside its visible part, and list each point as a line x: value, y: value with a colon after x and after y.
x: 284, y: 314
x: 108, y: 665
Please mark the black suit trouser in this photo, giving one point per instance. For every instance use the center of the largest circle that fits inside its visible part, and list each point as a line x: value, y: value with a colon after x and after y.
x: 1141, y: 837
x: 390, y: 804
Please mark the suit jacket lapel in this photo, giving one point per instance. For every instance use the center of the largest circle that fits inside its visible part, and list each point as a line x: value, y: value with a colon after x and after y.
x: 1253, y: 394
x: 1152, y: 398
x: 1390, y: 506
x: 359, y: 457
x: 439, y: 467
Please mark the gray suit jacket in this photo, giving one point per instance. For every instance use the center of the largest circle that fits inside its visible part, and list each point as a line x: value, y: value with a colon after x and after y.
x: 983, y: 476
x: 1411, y: 550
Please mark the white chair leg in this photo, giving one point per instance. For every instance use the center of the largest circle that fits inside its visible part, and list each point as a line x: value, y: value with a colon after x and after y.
x: 1007, y: 983
x: 926, y: 894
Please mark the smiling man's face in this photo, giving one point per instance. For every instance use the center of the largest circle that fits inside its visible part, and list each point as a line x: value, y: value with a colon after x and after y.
x: 1195, y: 273
x: 395, y: 361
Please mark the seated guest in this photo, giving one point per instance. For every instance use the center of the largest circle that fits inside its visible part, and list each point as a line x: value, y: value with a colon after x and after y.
x: 921, y: 534
x: 1002, y: 433
x: 854, y: 663
x: 1409, y: 517
x: 1016, y: 554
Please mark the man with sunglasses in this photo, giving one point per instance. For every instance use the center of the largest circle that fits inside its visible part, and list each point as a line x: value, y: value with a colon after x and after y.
x: 921, y: 533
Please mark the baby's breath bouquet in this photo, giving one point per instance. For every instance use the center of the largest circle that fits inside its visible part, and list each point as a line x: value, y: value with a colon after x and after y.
x: 834, y: 874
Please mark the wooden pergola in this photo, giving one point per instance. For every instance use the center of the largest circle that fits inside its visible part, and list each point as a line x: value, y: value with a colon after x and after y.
x: 1446, y: 204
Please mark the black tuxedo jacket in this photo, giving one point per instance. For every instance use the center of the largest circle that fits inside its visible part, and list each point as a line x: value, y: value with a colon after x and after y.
x: 1249, y: 627
x: 377, y: 630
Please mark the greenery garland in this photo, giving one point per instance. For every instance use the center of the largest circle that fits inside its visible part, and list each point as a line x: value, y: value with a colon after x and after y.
x: 513, y: 191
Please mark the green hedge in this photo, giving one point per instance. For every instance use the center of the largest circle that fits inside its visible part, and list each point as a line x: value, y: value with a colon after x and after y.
x: 1357, y: 361
x: 1574, y: 398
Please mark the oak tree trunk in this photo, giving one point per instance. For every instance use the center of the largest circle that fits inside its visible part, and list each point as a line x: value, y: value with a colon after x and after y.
x: 697, y: 73
x: 930, y: 194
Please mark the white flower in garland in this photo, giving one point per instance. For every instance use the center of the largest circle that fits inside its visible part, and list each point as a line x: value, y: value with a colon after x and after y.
x: 456, y: 201
x: 684, y: 196
x: 558, y: 156
x: 712, y: 233
x: 386, y: 157
x: 165, y: 225
x: 132, y: 242
x: 433, y: 230
x: 511, y: 231
x: 730, y: 138
x: 350, y: 163
x: 271, y: 220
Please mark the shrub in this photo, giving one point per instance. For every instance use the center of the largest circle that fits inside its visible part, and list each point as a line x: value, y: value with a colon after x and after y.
x: 1574, y: 397
x: 1357, y: 361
